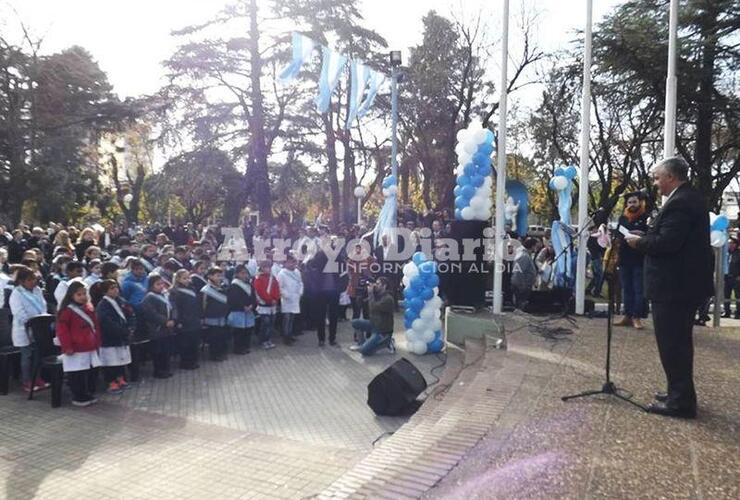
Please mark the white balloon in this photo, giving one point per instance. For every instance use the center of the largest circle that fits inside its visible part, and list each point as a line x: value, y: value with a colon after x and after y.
x: 467, y: 213
x: 418, y: 347
x: 712, y: 218
x: 559, y: 182
x: 419, y: 325
x: 386, y: 193
x: 462, y: 134
x: 487, y: 183
x: 475, y: 125
x: 436, y: 301
x: 406, y: 281
x: 718, y: 238
x: 412, y: 336
x: 427, y: 314
x: 477, y: 202
x: 471, y: 147
x: 436, y: 292
x: 427, y: 336
x: 464, y: 158
x: 436, y: 325
x: 410, y: 270
x: 393, y: 190
x: 480, y: 136
x: 489, y: 204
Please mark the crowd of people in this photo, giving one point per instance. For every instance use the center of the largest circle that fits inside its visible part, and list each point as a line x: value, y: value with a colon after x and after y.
x: 109, y: 287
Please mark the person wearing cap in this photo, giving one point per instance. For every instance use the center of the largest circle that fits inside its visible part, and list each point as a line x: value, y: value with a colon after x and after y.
x: 634, y: 219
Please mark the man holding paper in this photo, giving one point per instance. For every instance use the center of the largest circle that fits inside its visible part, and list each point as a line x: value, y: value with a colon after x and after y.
x: 678, y: 277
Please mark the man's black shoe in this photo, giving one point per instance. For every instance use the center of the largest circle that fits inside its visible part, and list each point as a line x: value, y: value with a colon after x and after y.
x: 726, y: 314
x: 661, y: 396
x: 667, y: 411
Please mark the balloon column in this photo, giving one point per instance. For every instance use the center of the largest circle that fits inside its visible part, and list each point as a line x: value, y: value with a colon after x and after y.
x: 387, y: 217
x: 422, y: 304
x: 562, y: 182
x: 474, y: 182
x: 718, y: 225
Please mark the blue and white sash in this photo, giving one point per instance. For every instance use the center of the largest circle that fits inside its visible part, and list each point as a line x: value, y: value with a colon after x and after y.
x: 244, y: 286
x: 213, y: 293
x: 164, y: 300
x: 37, y: 304
x: 116, y: 307
x: 82, y: 314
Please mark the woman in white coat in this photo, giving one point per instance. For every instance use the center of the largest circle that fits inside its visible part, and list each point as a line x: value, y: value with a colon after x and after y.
x: 291, y: 289
x: 26, y: 301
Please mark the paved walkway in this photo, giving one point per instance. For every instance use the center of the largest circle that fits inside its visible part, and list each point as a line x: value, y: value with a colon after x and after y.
x: 278, y: 424
x: 600, y: 447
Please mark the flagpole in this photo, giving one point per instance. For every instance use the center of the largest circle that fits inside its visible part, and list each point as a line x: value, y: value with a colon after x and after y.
x: 583, y: 184
x: 498, y: 297
x: 669, y: 130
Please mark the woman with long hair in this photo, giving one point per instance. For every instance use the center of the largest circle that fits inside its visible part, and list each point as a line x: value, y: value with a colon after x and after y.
x: 63, y: 240
x: 87, y: 239
x: 78, y: 331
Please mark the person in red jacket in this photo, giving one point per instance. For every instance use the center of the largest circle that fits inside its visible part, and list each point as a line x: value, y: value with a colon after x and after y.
x: 267, y: 292
x: 78, y: 332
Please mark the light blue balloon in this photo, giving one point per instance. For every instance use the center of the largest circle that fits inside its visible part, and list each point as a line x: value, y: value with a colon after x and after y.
x: 469, y: 168
x: 427, y: 267
x: 486, y: 149
x: 461, y: 201
x: 558, y: 171
x: 457, y: 190
x: 489, y: 138
x: 571, y: 172
x: 458, y: 214
x: 419, y: 258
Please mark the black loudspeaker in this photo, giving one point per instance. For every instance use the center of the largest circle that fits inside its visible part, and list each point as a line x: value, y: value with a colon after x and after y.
x: 394, y: 391
x: 463, y: 281
x: 555, y: 301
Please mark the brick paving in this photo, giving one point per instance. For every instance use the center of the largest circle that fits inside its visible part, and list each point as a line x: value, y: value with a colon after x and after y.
x: 284, y: 423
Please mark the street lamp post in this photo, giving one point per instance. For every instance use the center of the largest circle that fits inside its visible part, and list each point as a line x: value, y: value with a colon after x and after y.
x: 359, y: 194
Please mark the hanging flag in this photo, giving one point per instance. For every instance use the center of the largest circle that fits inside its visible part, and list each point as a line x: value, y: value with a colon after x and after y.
x: 302, y: 50
x: 331, y: 67
x: 360, y: 76
x: 376, y: 81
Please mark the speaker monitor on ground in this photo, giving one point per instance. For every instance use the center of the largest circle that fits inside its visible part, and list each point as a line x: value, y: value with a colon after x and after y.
x: 394, y: 391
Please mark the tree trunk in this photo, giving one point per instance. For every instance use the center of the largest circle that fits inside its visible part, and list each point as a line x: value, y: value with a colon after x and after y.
x: 260, y: 178
x: 348, y: 182
x: 331, y: 166
x: 705, y: 108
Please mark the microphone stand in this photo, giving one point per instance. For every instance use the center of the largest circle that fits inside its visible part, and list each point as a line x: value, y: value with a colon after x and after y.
x: 609, y: 387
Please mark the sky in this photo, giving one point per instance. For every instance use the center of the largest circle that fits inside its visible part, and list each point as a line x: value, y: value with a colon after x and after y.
x: 130, y: 39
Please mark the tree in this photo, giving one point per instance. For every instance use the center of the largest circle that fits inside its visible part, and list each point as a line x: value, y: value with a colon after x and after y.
x: 199, y: 180
x: 631, y: 51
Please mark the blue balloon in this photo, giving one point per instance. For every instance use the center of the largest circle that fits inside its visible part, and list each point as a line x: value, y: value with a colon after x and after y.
x: 469, y: 168
x: 467, y: 192
x: 428, y: 267
x: 463, y: 180
x: 477, y: 180
x: 435, y: 345
x: 480, y: 159
x: 407, y: 323
x: 417, y: 284
x: 571, y: 172
x: 456, y: 191
x: 721, y: 223
x: 431, y: 280
x: 485, y: 170
x: 409, y: 293
x: 415, y: 304
x: 427, y: 293
x: 461, y: 201
x: 558, y: 171
x: 458, y: 214
x: 418, y: 258
x: 486, y: 149
x: 409, y: 315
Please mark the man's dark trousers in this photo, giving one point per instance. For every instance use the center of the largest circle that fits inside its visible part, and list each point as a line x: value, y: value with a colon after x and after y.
x: 673, y: 322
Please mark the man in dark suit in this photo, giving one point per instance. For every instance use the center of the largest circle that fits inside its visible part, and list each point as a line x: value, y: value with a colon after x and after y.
x: 678, y: 277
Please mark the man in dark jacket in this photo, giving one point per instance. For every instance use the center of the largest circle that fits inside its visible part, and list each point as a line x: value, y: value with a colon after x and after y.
x: 732, y: 278
x: 678, y: 276
x: 380, y: 324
